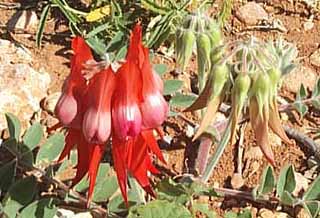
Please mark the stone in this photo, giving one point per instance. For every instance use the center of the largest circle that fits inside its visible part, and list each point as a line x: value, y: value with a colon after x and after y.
x: 302, y: 184
x: 281, y: 215
x: 251, y: 13
x: 300, y: 75
x: 265, y: 213
x: 23, y: 21
x: 315, y: 58
x: 21, y: 86
x: 237, y: 181
x: 308, y: 25
x: 63, y: 213
x: 83, y: 215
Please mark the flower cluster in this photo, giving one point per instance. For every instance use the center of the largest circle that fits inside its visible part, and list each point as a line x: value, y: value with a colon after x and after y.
x: 125, y: 107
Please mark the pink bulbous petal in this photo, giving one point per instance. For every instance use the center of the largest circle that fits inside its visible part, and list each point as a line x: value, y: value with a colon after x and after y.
x: 154, y: 110
x: 90, y: 124
x: 66, y: 108
x: 104, y: 127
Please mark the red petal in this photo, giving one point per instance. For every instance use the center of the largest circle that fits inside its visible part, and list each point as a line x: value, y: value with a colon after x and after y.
x: 118, y: 154
x: 71, y: 140
x: 152, y: 144
x: 96, y: 156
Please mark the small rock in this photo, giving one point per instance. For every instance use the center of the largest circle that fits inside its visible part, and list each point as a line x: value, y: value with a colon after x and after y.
x: 190, y: 131
x: 308, y: 25
x: 300, y: 75
x: 274, y: 139
x: 302, y: 184
x: 25, y: 20
x: 303, y: 213
x: 315, y: 58
x: 63, y: 213
x: 83, y: 215
x: 21, y: 87
x: 265, y: 213
x: 251, y: 13
x: 281, y: 215
x: 49, y: 103
x: 237, y: 181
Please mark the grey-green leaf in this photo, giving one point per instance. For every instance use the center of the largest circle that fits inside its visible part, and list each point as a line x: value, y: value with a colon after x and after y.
x: 312, y: 207
x: 267, y: 181
x: 171, y: 86
x: 313, y: 193
x: 42, y: 22
x: 33, y: 136
x: 287, y: 198
x: 182, y: 101
x: 204, y: 209
x: 19, y: 195
x: 159, y: 208
x: 39, y: 209
x: 286, y: 180
x: 14, y: 126
x: 160, y: 68
x: 316, y: 89
x: 7, y: 174
x: 50, y: 150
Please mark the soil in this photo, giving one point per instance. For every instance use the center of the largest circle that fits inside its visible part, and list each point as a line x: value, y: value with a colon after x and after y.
x: 54, y: 56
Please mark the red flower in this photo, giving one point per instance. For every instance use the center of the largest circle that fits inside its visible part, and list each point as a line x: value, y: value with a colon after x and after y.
x: 69, y: 105
x: 97, y: 117
x: 129, y: 102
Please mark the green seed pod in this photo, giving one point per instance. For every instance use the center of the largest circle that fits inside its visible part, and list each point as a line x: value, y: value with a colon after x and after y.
x: 220, y: 75
x: 261, y: 90
x: 214, y: 33
x: 203, y: 56
x: 188, y: 39
x: 216, y: 55
x: 241, y: 86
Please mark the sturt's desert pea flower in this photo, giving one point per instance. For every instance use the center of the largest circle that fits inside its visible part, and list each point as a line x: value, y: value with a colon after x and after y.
x: 127, y: 106
x: 68, y: 108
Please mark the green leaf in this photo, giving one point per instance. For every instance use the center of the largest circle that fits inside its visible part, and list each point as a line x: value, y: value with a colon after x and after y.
x: 287, y: 181
x: 33, y: 136
x: 7, y: 175
x: 14, y: 126
x: 230, y: 214
x: 316, y: 89
x: 160, y: 68
x: 19, y: 195
x: 182, y: 101
x: 42, y: 23
x: 171, y: 86
x: 316, y: 103
x: 204, y: 209
x: 171, y: 191
x: 40, y: 208
x: 287, y: 198
x: 313, y: 193
x: 155, y: 209
x: 50, y: 150
x: 97, y: 30
x: 69, y: 15
x: 267, y: 181
x: 97, y: 45
x: 152, y: 6
x: 116, y: 42
x: 246, y: 213
x: 116, y: 204
x: 312, y: 207
x: 301, y: 108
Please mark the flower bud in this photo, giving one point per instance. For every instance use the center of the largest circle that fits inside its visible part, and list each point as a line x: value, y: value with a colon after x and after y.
x: 260, y: 89
x: 220, y: 75
x: 188, y: 39
x: 214, y: 33
x: 239, y: 95
x: 203, y: 55
x: 274, y: 75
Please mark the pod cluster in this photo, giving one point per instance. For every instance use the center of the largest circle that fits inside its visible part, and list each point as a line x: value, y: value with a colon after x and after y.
x: 201, y: 34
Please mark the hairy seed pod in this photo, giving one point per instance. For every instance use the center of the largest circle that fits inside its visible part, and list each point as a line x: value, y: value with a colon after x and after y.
x: 203, y: 56
x: 220, y: 75
x: 188, y: 39
x: 239, y: 95
x: 215, y: 33
x: 261, y: 90
x: 274, y: 75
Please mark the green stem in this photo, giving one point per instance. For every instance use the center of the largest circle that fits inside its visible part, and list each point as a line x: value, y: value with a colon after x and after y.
x: 216, y: 156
